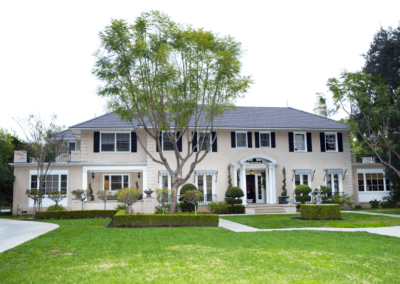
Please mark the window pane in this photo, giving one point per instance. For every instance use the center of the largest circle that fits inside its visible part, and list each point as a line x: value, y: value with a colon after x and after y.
x: 34, y: 182
x: 264, y: 139
x: 123, y: 142
x: 106, y: 182
x: 299, y: 142
x: 330, y: 140
x: 107, y: 142
x: 241, y: 140
x: 388, y: 185
x: 329, y: 181
x: 167, y: 145
x: 165, y: 182
x: 204, y: 141
x: 51, y: 184
x: 200, y: 184
x: 209, y: 185
x: 259, y: 185
x: 360, y: 182
x: 297, y: 180
x: 305, y: 179
x: 71, y: 146
x: 116, y: 182
x: 126, y: 181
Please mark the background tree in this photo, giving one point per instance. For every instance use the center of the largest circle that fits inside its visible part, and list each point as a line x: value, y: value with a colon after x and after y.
x: 80, y: 194
x: 103, y: 195
x: 8, y: 144
x: 163, y: 76
x: 56, y: 196
x: 164, y: 197
x: 37, y: 197
x: 193, y: 196
x: 128, y: 196
x: 44, y: 142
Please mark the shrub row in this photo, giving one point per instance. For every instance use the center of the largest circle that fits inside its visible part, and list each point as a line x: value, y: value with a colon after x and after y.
x: 234, y: 201
x: 121, y: 219
x: 320, y: 212
x: 236, y: 209
x: 81, y: 214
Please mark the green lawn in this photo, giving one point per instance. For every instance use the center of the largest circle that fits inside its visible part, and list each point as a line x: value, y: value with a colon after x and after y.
x: 394, y: 211
x: 84, y: 251
x: 353, y: 220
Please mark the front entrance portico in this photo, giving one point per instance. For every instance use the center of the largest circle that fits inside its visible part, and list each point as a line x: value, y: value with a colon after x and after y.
x: 251, y: 185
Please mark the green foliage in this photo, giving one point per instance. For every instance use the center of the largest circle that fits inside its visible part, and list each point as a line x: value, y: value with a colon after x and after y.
x: 186, y: 207
x: 81, y: 214
x: 284, y: 190
x: 121, y: 207
x: 236, y: 209
x: 53, y: 208
x: 121, y: 219
x: 192, y: 197
x: 234, y: 192
x: 229, y: 177
x: 234, y: 201
x: 302, y: 192
x: 128, y: 196
x: 342, y: 199
x: 358, y: 207
x: 324, y: 194
x: 374, y: 203
x: 320, y: 212
x: 164, y: 197
x: 220, y: 207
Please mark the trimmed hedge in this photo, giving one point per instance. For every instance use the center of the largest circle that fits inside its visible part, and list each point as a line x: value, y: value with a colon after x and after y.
x: 121, y: 219
x: 78, y: 214
x: 236, y: 209
x: 234, y: 201
x: 234, y: 192
x: 320, y: 212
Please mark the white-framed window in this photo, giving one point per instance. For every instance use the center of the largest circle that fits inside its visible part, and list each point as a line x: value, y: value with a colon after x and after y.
x: 111, y: 142
x: 302, y: 179
x: 115, y: 182
x: 206, y: 139
x: 166, y: 143
x: 334, y: 181
x: 53, y: 182
x: 206, y: 185
x: 300, y: 141
x: 374, y: 181
x: 71, y: 146
x: 241, y: 139
x: 331, y: 142
x: 265, y: 139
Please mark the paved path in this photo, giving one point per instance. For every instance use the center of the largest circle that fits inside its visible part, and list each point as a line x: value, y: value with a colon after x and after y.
x: 15, y: 232
x: 386, y: 231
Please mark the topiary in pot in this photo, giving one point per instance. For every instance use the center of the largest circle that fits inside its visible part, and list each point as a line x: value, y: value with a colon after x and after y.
x: 185, y: 206
x: 302, y: 192
x: 234, y: 192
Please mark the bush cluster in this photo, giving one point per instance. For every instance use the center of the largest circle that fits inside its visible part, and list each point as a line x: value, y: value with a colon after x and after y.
x: 220, y: 207
x: 121, y: 219
x: 81, y: 214
x: 186, y: 207
x: 237, y: 209
x: 52, y: 208
x: 374, y: 203
x: 320, y: 212
x: 302, y: 192
x: 234, y: 192
x: 234, y: 201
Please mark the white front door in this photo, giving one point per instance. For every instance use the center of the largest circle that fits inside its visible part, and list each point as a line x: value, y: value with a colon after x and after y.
x: 260, y: 191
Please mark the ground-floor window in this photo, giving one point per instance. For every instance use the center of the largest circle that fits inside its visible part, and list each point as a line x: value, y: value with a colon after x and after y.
x: 334, y: 182
x: 204, y: 185
x: 116, y: 182
x: 302, y: 179
x: 373, y: 182
x: 53, y: 182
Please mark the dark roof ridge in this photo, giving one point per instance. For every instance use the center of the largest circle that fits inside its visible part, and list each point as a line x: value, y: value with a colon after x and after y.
x: 92, y: 119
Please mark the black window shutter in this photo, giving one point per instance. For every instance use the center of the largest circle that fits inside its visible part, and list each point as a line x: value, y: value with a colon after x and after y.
x: 96, y: 142
x: 249, y: 142
x: 272, y: 139
x: 133, y: 142
x: 340, y: 142
x: 179, y: 143
x: 214, y: 145
x: 233, y: 139
x: 309, y: 142
x: 322, y: 141
x: 194, y: 142
x: 291, y: 144
x: 257, y: 139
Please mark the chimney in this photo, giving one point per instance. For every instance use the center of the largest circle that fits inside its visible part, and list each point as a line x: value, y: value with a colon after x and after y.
x: 319, y: 109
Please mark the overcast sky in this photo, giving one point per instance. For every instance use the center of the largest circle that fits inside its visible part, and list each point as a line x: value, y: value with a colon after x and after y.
x: 293, y: 47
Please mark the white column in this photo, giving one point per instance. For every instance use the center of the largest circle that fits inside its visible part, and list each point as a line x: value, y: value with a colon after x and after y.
x: 205, y: 188
x: 235, y: 169
x: 144, y: 185
x: 266, y: 186
x: 243, y: 184
x: 84, y: 181
x: 213, y: 189
x: 272, y: 184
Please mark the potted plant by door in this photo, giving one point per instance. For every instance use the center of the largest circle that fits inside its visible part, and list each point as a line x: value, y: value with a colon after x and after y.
x: 283, y: 199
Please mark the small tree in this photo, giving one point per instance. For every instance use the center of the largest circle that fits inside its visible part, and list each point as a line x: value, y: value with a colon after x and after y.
x: 164, y: 197
x: 234, y: 192
x: 229, y: 177
x: 184, y: 205
x: 128, y: 196
x: 284, y: 190
x: 302, y: 191
x: 37, y: 196
x: 193, y: 196
x: 56, y: 196
x: 103, y: 195
x: 80, y: 194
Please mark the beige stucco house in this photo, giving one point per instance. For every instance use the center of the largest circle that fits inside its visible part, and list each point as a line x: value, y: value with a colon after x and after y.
x: 254, y: 141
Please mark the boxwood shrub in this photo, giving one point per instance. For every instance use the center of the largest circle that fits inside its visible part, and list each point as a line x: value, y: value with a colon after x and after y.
x: 78, y: 214
x: 320, y: 212
x: 234, y: 201
x: 121, y: 219
x: 236, y: 209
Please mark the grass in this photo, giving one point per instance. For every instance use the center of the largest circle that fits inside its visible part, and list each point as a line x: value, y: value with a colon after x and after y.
x: 353, y: 220
x: 84, y: 251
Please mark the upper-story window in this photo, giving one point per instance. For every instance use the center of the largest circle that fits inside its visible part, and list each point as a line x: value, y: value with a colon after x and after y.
x: 241, y: 139
x: 115, y: 142
x: 204, y: 141
x: 331, y: 142
x: 71, y: 146
x: 166, y: 143
x: 300, y: 142
x: 265, y: 140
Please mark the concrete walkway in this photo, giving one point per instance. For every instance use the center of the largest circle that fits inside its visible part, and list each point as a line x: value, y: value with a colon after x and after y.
x: 385, y: 231
x: 16, y: 232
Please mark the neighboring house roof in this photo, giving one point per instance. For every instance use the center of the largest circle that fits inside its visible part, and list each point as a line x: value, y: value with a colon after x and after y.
x: 66, y: 135
x: 241, y: 118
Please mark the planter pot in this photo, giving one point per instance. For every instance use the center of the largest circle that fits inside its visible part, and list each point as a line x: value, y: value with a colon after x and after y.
x: 283, y: 199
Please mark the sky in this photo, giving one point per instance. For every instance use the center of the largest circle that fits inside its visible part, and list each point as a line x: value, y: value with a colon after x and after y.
x: 292, y: 48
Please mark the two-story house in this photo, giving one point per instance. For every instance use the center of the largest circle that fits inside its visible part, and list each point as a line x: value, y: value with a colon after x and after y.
x: 256, y: 142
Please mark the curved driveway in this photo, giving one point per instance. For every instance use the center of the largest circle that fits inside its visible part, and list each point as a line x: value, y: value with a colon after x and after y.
x: 16, y: 232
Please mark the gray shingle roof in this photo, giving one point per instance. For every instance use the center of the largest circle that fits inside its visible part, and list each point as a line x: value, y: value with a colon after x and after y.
x: 242, y: 117
x: 66, y: 135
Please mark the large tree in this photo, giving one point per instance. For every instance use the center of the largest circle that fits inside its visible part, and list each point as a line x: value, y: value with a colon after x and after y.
x: 373, y: 113
x: 171, y: 78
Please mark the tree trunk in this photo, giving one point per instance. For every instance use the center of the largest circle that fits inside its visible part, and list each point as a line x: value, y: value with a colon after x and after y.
x: 82, y: 205
x: 173, y: 201
x: 56, y: 206
x: 105, y: 206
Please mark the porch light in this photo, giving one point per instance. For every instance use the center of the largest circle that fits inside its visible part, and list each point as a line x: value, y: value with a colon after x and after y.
x: 92, y: 175
x: 138, y: 175
x: 251, y: 172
